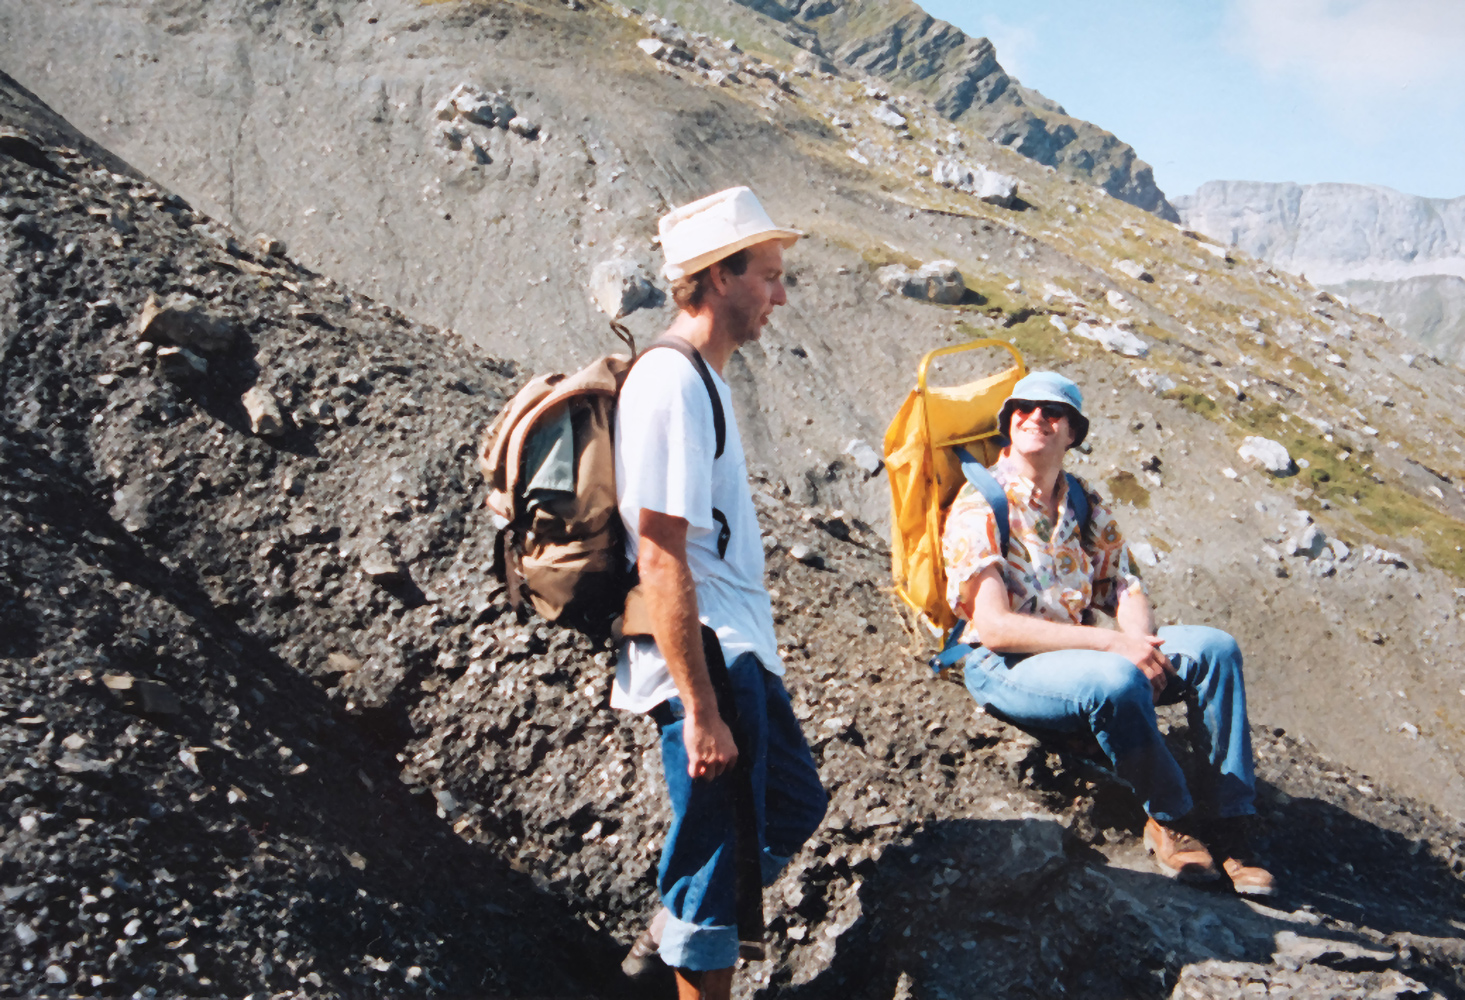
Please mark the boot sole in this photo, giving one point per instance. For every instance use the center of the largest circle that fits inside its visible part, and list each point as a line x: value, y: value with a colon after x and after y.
x: 1254, y: 890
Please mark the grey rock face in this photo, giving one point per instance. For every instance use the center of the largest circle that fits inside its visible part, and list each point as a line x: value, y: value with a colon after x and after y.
x: 1396, y: 254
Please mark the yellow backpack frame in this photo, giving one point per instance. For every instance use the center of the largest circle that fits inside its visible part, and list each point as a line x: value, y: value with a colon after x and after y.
x: 925, y: 474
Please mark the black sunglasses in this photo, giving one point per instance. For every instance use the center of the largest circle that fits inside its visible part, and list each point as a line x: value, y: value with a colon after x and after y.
x: 1051, y: 411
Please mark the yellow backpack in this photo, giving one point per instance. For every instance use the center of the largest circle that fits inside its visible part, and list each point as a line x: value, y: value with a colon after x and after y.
x: 925, y: 472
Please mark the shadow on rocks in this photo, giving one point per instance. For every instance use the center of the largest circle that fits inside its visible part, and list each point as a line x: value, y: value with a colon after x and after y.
x: 248, y: 835
x: 1067, y: 904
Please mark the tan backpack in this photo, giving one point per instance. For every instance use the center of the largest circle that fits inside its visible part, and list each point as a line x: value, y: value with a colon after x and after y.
x: 549, y: 458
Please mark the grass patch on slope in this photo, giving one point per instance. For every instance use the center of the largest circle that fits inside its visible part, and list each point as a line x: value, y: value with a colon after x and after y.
x: 1383, y: 508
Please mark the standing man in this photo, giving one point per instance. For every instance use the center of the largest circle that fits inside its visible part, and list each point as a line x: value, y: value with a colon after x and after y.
x: 1037, y: 661
x: 692, y: 533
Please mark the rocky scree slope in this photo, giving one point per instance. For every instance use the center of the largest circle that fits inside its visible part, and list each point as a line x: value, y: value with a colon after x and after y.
x: 322, y: 124
x: 268, y: 725
x: 184, y: 811
x: 1398, y: 255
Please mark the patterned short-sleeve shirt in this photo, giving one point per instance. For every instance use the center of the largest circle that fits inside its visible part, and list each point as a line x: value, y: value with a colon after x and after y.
x: 1049, y: 573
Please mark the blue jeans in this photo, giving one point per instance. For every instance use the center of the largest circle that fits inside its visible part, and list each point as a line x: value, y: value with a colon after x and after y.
x: 1075, y: 689
x: 696, y: 875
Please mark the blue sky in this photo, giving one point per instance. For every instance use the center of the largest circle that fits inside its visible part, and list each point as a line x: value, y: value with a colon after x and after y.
x: 1362, y: 91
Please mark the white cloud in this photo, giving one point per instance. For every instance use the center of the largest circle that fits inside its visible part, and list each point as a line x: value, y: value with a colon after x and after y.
x: 1358, y: 49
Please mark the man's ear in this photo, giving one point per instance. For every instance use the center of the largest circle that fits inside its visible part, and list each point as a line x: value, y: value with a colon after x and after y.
x: 717, y: 277
x: 1072, y: 434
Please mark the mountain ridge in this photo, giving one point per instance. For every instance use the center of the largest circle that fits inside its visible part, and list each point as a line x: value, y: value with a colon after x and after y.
x: 896, y: 40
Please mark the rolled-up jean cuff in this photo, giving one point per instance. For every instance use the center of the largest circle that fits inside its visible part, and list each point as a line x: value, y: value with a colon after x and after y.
x: 697, y: 948
x: 772, y: 864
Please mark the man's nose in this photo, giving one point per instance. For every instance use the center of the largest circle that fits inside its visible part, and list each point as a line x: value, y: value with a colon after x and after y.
x: 780, y: 294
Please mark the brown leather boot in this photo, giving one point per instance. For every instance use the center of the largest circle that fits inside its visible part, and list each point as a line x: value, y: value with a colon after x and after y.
x: 1232, y: 841
x: 1179, y: 855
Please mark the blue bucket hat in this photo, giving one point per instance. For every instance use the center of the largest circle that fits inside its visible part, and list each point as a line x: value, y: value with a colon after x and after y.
x: 1047, y: 387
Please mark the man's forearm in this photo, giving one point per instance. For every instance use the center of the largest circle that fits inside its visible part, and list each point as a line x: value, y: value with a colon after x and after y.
x: 671, y: 598
x: 1135, y: 615
x: 1015, y: 633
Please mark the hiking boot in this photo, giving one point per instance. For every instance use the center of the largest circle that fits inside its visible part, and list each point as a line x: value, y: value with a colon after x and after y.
x: 1238, y: 859
x: 1179, y: 855
x: 643, y: 956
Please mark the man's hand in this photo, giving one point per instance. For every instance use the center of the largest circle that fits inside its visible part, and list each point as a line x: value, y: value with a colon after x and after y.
x: 1144, y: 652
x: 711, y: 749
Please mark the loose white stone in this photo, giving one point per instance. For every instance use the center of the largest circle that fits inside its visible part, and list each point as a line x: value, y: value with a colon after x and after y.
x: 1113, y: 338
x: 865, y: 457
x: 1270, y: 455
x: 1145, y: 553
x: 1117, y: 300
x: 1156, y: 382
x: 1133, y: 270
x: 888, y: 116
x: 265, y: 418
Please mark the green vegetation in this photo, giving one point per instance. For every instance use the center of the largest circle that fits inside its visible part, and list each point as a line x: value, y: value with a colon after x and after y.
x: 882, y: 255
x: 1124, y: 487
x: 1196, y: 402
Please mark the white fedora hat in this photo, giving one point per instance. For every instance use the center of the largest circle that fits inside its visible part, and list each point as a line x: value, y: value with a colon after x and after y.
x: 711, y: 228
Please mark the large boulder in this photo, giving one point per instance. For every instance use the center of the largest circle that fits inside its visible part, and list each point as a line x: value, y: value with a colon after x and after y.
x: 1270, y: 455
x: 619, y: 287
x: 186, y: 322
x: 986, y: 185
x: 896, y: 279
x: 939, y: 281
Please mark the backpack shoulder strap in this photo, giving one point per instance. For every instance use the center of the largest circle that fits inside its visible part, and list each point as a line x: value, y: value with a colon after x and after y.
x: 1083, y: 512
x: 986, y: 484
x: 686, y: 350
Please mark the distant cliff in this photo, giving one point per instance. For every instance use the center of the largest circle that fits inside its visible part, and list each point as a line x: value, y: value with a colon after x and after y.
x: 1396, y: 254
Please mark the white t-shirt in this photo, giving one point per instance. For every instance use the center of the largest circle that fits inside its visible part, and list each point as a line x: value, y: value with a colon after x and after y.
x: 664, y: 446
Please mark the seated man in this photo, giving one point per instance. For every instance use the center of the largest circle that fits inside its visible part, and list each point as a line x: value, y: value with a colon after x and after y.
x: 1037, y: 662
